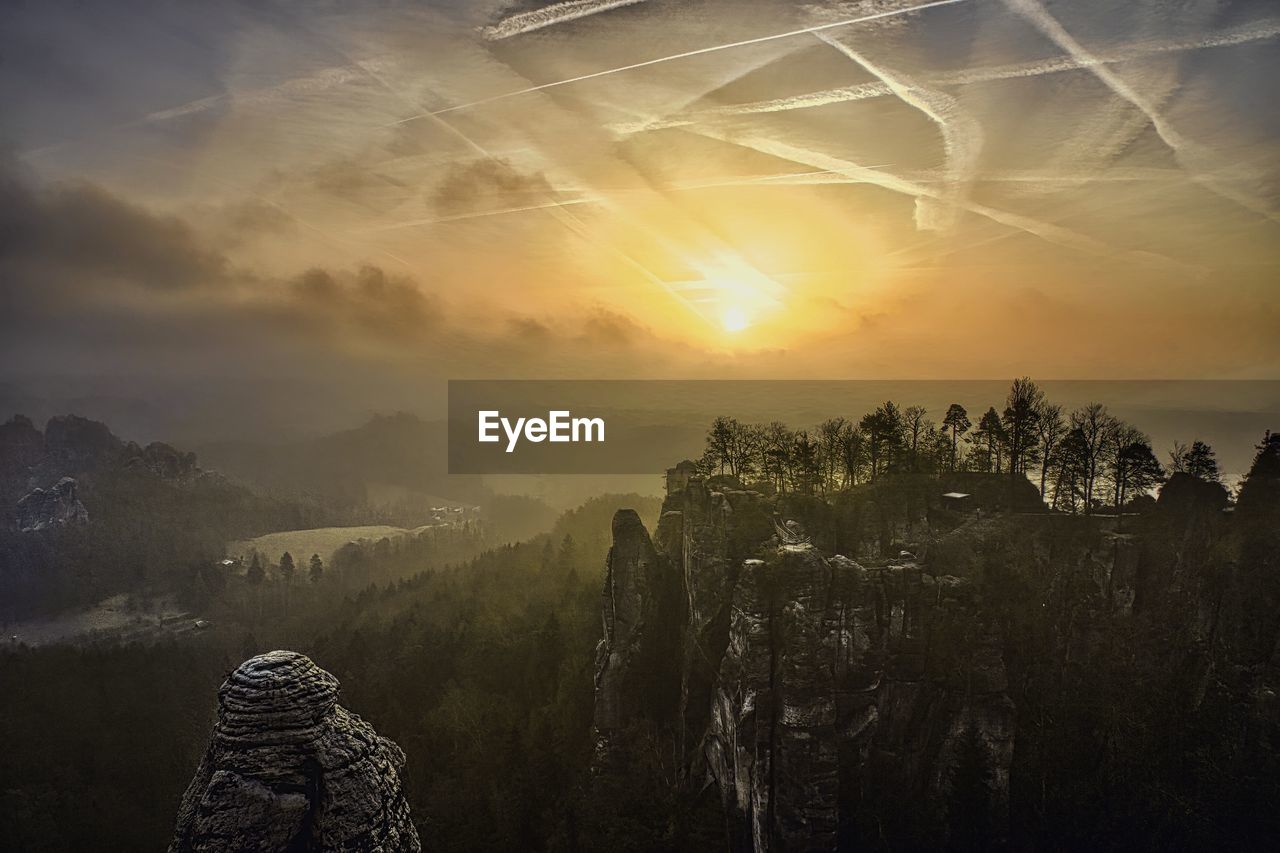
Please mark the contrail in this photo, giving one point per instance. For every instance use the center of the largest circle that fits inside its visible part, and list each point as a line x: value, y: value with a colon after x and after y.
x: 1188, y: 151
x: 549, y: 16
x: 323, y: 79
x: 479, y: 214
x: 1045, y: 230
x: 780, y: 179
x: 962, y: 136
x: 687, y: 54
x: 1255, y: 31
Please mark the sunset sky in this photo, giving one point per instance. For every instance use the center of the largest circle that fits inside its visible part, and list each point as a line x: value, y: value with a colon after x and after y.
x: 350, y: 202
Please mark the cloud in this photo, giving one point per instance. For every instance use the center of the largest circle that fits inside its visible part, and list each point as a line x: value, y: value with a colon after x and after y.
x: 82, y: 230
x: 369, y: 302
x: 78, y: 262
x: 93, y: 285
x: 488, y: 184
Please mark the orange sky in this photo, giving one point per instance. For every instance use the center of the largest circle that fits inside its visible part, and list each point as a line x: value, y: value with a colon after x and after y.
x: 859, y: 189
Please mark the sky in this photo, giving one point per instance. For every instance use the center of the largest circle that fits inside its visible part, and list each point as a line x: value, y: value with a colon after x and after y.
x: 271, y: 216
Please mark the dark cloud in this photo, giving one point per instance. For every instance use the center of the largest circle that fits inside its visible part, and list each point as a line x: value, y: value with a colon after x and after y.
x: 369, y: 301
x: 81, y: 231
x: 99, y: 296
x: 489, y: 184
x: 80, y: 264
x: 606, y: 328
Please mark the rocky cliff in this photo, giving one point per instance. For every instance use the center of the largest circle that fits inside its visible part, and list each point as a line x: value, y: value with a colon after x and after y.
x: 810, y: 690
x: 56, y: 506
x: 876, y: 669
x: 289, y: 769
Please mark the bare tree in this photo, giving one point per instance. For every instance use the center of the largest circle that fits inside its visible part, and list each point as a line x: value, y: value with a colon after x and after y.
x: 775, y: 452
x: 1097, y: 430
x: 1050, y: 429
x: 854, y: 455
x: 916, y: 425
x: 831, y: 441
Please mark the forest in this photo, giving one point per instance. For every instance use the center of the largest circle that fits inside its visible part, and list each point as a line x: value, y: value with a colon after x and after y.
x: 1081, y: 460
x: 480, y: 662
x: 480, y: 668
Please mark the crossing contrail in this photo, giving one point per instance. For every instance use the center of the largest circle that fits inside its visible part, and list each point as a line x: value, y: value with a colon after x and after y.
x: 1045, y: 230
x: 1242, y: 34
x: 604, y: 198
x: 890, y: 13
x: 962, y: 136
x: 549, y: 16
x: 1190, y: 153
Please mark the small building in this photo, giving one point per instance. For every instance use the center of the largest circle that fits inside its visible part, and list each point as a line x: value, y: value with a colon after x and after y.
x: 679, y: 476
x: 958, y: 501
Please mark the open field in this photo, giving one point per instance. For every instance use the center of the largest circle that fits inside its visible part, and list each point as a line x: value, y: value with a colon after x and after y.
x: 303, y: 543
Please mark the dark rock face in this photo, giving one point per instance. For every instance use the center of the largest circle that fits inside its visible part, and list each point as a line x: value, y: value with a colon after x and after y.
x: 21, y: 446
x: 57, y: 506
x: 162, y: 460
x: 74, y: 441
x: 812, y: 690
x: 288, y: 769
x: 638, y: 602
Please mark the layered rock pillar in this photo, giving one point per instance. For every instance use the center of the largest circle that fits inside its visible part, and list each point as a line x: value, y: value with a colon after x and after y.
x: 289, y: 769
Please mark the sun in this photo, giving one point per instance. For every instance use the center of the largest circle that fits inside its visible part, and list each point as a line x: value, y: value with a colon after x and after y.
x: 734, y: 319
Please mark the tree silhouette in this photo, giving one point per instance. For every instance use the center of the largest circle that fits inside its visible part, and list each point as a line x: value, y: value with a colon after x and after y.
x: 957, y: 422
x: 255, y: 574
x: 1199, y: 460
x: 287, y: 567
x: 1050, y: 430
x: 1021, y: 409
x: 989, y: 438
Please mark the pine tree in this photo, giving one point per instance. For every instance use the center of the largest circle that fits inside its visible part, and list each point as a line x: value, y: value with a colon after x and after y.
x: 286, y: 567
x: 317, y: 568
x: 568, y: 553
x: 256, y: 574
x: 1200, y: 461
x: 957, y: 422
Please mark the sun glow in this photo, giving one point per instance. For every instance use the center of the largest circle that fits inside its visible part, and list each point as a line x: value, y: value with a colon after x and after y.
x: 734, y: 319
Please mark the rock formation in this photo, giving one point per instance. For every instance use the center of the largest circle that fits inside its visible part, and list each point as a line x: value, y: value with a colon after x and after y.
x: 288, y: 769
x: 817, y: 695
x: 57, y: 506
x: 21, y: 446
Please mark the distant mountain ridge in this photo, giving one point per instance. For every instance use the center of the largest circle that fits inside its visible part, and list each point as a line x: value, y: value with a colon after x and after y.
x: 400, y: 449
x: 88, y: 514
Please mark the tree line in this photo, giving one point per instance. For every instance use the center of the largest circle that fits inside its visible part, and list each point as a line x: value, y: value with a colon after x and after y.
x: 1081, y: 460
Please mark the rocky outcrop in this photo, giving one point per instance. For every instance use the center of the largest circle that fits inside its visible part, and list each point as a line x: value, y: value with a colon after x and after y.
x: 163, y: 461
x: 843, y: 694
x: 79, y: 443
x: 640, y: 608
x: 21, y: 446
x: 56, y: 506
x: 819, y: 696
x: 288, y: 769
